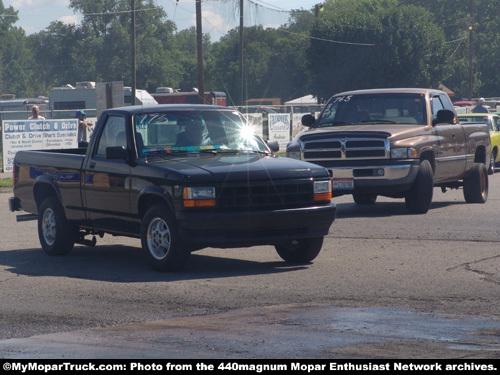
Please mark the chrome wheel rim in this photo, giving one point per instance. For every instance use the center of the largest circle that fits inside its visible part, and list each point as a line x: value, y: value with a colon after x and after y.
x: 158, y: 238
x: 49, y: 227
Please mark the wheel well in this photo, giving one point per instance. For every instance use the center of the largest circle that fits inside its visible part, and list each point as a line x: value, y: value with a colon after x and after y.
x: 431, y: 158
x: 480, y: 156
x: 42, y: 191
x: 149, y: 200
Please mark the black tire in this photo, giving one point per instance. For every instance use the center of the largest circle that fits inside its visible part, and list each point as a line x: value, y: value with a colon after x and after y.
x: 300, y: 251
x: 364, y: 199
x: 476, y: 184
x: 491, y: 168
x: 57, y: 236
x: 419, y: 198
x: 166, y: 252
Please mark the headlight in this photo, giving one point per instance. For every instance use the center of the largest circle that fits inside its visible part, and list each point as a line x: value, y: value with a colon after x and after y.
x: 403, y: 153
x: 293, y: 151
x: 199, y: 196
x: 293, y: 154
x: 323, y: 190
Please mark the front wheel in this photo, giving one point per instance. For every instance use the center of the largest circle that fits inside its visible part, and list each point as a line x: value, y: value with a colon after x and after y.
x: 160, y: 240
x: 57, y: 236
x: 476, y: 184
x: 419, y: 198
x: 300, y: 251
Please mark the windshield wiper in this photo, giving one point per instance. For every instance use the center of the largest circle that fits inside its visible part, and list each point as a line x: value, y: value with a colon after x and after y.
x: 334, y: 123
x: 380, y: 121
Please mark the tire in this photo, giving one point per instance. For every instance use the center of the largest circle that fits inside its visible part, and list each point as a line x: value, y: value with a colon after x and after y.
x: 419, y: 198
x: 57, y: 236
x: 476, y: 184
x: 491, y: 168
x: 364, y: 199
x: 300, y: 251
x: 160, y: 239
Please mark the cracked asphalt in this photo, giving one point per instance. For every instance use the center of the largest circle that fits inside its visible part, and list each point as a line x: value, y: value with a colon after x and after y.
x: 386, y: 285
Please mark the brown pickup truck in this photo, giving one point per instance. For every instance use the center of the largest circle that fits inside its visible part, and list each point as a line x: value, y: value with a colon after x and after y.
x: 398, y: 143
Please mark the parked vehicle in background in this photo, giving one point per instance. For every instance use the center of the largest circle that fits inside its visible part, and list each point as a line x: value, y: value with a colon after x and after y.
x: 464, y: 103
x: 224, y: 189
x: 493, y: 122
x: 398, y: 143
x: 167, y: 95
x: 20, y: 109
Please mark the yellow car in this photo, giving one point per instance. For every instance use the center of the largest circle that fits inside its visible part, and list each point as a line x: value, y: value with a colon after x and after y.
x: 493, y: 122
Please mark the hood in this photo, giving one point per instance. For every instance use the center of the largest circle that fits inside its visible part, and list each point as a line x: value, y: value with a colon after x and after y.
x: 239, y: 167
x: 393, y: 131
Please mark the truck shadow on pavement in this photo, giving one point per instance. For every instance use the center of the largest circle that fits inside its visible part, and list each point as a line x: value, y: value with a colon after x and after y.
x: 125, y: 264
x: 383, y: 209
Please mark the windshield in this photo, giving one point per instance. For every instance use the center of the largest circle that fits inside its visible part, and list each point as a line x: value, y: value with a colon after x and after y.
x: 373, y: 109
x: 194, y: 131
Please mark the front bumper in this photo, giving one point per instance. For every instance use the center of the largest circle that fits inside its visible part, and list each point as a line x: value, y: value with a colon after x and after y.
x: 377, y: 178
x: 241, y: 229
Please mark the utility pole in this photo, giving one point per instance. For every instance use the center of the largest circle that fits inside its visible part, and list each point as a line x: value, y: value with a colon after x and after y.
x: 199, y: 42
x: 471, y: 49
x: 133, y: 42
x: 242, y: 76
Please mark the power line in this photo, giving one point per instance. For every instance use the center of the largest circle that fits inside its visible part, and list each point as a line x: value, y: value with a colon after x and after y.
x: 328, y: 40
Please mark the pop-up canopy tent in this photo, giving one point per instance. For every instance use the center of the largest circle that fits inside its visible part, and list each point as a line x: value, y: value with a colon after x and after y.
x: 304, y: 100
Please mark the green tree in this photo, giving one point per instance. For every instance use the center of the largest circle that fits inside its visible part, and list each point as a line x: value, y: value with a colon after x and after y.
x: 375, y: 43
x: 455, y: 17
x: 274, y: 62
x: 15, y: 58
x: 99, y: 49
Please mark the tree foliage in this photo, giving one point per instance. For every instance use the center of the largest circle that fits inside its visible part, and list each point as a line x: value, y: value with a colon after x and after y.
x: 347, y: 45
x: 368, y: 44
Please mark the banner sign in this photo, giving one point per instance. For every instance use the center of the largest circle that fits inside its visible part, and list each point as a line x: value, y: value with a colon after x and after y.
x: 36, y: 135
x: 279, y: 128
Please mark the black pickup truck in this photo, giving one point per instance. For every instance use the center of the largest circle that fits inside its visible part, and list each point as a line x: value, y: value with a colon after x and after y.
x: 181, y: 178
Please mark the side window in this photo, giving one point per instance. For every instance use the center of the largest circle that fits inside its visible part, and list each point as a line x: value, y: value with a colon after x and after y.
x: 446, y: 103
x: 113, y: 134
x: 436, y: 106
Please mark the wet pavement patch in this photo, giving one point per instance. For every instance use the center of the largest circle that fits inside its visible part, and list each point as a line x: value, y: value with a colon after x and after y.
x: 276, y: 332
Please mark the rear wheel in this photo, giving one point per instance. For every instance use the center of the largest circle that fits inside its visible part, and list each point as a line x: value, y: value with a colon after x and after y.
x: 57, y: 236
x: 419, y: 198
x: 476, y: 184
x: 160, y: 240
x: 300, y: 251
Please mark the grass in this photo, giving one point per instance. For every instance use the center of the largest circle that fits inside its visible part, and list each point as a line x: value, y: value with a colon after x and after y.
x: 5, y: 182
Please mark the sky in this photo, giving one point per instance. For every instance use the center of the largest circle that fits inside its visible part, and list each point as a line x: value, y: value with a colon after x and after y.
x: 219, y: 16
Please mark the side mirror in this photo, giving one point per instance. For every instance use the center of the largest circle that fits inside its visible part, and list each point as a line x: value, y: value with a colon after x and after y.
x: 116, y: 152
x: 308, y: 120
x: 445, y: 116
x: 273, y: 145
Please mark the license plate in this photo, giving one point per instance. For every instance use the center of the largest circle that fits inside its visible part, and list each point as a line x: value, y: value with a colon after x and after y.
x: 343, y: 184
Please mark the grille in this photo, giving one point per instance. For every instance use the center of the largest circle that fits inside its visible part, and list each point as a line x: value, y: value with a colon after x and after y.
x: 264, y: 196
x: 346, y: 149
